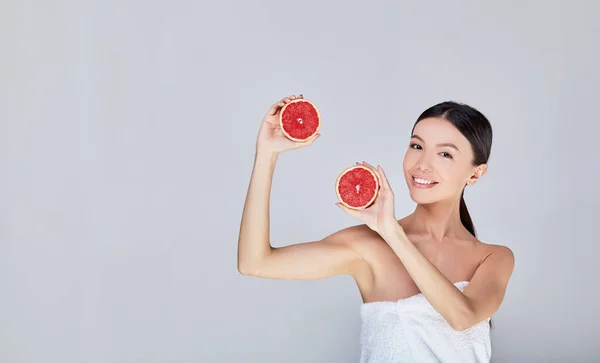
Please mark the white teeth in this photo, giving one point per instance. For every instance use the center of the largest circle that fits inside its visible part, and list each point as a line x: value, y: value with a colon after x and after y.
x: 423, y: 181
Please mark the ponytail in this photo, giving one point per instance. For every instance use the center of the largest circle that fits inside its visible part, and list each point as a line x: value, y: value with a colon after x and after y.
x: 465, y: 217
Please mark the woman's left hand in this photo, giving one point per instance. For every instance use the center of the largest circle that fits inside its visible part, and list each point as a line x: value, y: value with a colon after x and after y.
x: 379, y: 216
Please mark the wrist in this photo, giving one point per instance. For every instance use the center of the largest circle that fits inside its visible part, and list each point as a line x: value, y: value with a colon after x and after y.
x: 391, y: 229
x: 263, y: 153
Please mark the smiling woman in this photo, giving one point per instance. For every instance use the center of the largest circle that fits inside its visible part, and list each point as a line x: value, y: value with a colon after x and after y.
x: 470, y: 131
x: 429, y: 286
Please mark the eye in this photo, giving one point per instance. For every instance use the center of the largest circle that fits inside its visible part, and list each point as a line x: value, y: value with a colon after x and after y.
x: 446, y: 155
x: 415, y: 146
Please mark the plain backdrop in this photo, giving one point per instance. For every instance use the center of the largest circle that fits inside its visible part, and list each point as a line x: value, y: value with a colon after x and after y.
x: 127, y: 134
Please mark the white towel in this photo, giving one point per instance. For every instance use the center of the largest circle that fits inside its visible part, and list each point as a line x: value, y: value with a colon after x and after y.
x: 411, y: 330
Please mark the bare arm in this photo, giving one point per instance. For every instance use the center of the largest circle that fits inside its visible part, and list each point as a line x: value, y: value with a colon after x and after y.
x: 484, y: 293
x: 307, y: 260
x: 480, y: 299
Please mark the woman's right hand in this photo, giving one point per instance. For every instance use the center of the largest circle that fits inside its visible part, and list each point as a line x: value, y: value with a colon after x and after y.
x: 271, y: 138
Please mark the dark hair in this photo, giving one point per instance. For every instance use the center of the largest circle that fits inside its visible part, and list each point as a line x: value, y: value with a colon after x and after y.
x: 476, y: 128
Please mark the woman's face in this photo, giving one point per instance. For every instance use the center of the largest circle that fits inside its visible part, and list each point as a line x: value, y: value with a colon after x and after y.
x: 438, y: 162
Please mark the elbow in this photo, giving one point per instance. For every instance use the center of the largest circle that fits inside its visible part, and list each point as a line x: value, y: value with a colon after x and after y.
x: 463, y: 321
x: 249, y: 267
x: 461, y: 325
x: 244, y: 268
x: 251, y: 264
x: 465, y: 324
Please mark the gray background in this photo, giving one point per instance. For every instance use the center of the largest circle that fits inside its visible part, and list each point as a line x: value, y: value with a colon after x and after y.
x: 127, y: 139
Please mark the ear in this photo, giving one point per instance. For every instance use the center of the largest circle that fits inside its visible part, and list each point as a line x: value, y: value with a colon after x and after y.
x: 477, y: 173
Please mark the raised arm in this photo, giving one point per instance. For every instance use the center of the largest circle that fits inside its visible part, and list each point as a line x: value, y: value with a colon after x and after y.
x: 306, y: 260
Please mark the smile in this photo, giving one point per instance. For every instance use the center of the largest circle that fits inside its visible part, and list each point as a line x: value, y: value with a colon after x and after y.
x: 423, y: 183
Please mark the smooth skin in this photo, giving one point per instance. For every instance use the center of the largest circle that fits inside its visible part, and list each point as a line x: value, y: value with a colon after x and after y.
x: 425, y: 252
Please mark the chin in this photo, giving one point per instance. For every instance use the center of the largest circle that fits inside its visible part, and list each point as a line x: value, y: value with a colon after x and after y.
x: 420, y: 197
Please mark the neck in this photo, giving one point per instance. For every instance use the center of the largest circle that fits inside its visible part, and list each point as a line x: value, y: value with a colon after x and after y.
x: 437, y: 221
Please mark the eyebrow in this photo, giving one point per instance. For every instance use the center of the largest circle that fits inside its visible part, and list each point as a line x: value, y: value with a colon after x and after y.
x: 449, y: 144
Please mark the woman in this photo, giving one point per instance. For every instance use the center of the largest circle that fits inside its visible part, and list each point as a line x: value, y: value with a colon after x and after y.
x: 429, y: 286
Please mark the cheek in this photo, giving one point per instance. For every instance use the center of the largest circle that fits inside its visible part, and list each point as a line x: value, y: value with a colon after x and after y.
x: 445, y: 169
x: 452, y: 174
x: 407, y: 167
x: 409, y: 161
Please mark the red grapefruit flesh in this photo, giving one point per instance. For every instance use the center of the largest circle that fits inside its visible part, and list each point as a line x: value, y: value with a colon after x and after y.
x: 357, y: 187
x: 300, y: 120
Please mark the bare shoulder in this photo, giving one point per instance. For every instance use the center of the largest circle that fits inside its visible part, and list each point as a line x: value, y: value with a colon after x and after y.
x: 499, y: 253
x: 364, y: 243
x: 356, y: 236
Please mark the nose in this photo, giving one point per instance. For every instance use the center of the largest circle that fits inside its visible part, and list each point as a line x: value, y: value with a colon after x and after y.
x: 423, y: 163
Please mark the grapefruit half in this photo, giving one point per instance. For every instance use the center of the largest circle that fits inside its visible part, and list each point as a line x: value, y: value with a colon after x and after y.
x: 357, y: 187
x: 300, y: 120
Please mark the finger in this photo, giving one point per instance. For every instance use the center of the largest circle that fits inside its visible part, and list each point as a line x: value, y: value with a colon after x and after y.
x: 276, y: 106
x: 289, y: 98
x: 314, y: 139
x: 351, y: 212
x: 369, y: 165
x: 273, y: 109
x: 300, y: 96
x: 384, y: 177
x: 308, y: 142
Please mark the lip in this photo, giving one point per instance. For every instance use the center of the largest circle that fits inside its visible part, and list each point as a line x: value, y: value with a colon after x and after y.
x: 422, y: 186
x: 421, y: 176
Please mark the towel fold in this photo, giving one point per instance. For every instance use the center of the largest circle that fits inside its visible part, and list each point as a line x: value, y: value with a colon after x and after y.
x: 411, y: 330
